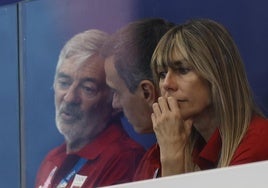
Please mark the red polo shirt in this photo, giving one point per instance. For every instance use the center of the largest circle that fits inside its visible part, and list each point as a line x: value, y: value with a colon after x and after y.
x: 252, y: 148
x: 111, y: 158
x: 149, y: 166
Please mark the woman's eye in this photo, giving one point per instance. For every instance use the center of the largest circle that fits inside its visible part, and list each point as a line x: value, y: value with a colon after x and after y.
x: 162, y: 75
x: 183, y: 70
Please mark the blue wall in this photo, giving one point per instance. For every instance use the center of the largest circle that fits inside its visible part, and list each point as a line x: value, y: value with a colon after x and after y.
x: 47, y: 24
x: 9, y: 99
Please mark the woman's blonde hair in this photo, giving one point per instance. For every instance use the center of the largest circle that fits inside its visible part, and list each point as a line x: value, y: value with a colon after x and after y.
x: 211, y: 51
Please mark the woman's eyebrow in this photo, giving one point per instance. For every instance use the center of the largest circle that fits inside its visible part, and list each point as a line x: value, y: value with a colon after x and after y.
x: 177, y: 63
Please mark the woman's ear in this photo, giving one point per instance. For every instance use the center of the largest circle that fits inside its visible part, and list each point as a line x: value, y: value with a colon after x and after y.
x: 148, y: 91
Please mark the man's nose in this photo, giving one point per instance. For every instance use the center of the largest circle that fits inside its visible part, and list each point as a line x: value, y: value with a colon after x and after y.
x: 116, y: 103
x: 72, y: 95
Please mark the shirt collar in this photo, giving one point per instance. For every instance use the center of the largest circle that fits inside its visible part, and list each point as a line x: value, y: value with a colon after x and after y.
x: 206, y: 155
x: 93, y: 149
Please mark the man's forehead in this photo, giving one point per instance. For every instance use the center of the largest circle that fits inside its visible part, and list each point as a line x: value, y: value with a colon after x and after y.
x: 112, y: 77
x: 110, y: 72
x: 109, y: 67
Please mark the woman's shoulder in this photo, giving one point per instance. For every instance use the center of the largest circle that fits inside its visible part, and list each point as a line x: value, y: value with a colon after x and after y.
x: 254, y: 145
x: 258, y: 124
x: 256, y: 137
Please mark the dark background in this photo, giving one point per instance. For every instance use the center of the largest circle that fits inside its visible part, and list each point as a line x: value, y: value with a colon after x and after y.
x: 32, y: 34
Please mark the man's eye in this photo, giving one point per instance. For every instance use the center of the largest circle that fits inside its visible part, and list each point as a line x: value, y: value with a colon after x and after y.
x: 89, y: 90
x: 114, y: 92
x: 63, y: 84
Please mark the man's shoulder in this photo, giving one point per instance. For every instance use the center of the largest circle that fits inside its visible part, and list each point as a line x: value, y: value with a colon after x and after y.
x: 122, y: 142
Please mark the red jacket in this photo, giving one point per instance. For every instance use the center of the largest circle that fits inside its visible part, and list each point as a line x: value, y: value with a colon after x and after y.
x: 111, y: 158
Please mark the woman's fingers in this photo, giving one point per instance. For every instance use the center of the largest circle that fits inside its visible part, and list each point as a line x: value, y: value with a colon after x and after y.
x: 172, y: 103
x: 160, y: 107
x: 163, y: 104
x: 166, y: 111
x: 156, y: 110
x: 167, y: 104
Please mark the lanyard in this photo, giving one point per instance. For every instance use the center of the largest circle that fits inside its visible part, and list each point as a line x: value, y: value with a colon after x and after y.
x: 64, y: 182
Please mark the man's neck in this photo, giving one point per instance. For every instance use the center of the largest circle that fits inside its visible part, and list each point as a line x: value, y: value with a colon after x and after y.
x: 76, y: 145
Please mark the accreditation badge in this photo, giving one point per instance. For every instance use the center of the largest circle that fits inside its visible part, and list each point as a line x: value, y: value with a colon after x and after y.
x: 78, y: 181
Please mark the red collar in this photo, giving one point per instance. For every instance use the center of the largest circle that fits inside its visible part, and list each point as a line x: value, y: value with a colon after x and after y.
x: 93, y: 149
x: 206, y: 155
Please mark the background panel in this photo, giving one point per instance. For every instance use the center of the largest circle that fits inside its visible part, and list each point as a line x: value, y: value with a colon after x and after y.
x: 47, y: 24
x: 9, y: 108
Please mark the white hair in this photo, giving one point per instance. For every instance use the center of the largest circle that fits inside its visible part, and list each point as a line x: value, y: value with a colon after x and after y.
x: 82, y: 46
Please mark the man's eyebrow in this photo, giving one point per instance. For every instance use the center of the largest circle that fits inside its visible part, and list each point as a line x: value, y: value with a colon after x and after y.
x: 62, y: 75
x: 89, y: 79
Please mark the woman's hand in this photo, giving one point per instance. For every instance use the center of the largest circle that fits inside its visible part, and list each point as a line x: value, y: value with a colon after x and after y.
x: 172, y: 134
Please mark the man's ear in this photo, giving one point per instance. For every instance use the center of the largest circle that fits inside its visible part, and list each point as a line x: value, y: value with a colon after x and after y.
x: 148, y: 91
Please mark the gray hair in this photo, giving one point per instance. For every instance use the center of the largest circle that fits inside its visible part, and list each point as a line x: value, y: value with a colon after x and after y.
x: 82, y: 46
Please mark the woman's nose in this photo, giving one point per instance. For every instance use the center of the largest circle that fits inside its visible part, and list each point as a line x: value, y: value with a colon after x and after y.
x: 170, y: 82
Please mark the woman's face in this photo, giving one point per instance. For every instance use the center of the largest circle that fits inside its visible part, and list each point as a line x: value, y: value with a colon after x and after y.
x: 181, y: 81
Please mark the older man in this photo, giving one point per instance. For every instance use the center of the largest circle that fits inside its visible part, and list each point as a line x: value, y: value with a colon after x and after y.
x: 97, y: 151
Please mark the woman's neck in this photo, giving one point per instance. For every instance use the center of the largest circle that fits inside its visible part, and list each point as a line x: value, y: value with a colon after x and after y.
x: 206, y: 124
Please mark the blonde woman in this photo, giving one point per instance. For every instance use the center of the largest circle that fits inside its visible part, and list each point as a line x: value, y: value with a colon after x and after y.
x: 206, y: 116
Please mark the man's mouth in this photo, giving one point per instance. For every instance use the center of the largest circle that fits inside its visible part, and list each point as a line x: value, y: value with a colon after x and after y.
x: 67, y: 116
